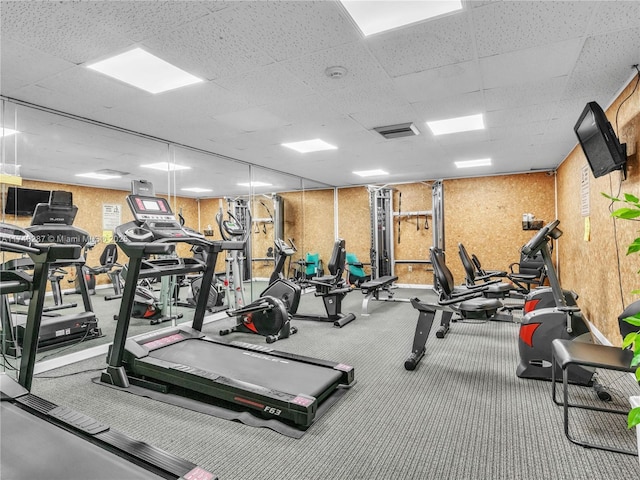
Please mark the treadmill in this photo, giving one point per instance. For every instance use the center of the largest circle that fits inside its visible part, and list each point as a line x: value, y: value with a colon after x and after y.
x: 41, y: 440
x: 182, y: 360
x: 53, y: 223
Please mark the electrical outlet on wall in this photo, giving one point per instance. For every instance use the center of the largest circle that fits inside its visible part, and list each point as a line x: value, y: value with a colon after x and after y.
x: 410, y: 268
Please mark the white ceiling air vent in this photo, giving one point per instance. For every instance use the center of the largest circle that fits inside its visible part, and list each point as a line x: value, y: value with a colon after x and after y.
x: 399, y: 130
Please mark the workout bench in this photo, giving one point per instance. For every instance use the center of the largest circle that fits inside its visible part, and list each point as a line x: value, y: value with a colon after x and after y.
x: 564, y: 354
x: 371, y: 290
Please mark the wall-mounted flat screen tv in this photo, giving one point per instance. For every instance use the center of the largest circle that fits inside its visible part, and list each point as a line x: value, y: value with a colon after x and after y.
x: 599, y: 142
x: 23, y: 201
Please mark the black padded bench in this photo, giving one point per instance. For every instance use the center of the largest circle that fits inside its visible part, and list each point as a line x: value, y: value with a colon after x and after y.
x: 371, y: 290
x: 564, y: 354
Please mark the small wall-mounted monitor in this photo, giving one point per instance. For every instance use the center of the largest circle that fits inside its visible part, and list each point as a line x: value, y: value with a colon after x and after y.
x: 599, y: 142
x: 23, y: 201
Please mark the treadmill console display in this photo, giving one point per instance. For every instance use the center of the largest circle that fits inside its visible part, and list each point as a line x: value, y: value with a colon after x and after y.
x: 154, y: 216
x: 150, y: 208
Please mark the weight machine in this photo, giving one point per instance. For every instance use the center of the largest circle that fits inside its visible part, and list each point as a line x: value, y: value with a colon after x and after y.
x: 382, y: 255
x: 382, y: 217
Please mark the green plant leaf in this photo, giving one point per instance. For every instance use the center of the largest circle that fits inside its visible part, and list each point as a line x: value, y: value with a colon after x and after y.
x: 635, y: 361
x: 635, y: 292
x: 631, y: 198
x: 633, y: 246
x: 626, y: 213
x: 634, y: 417
x: 629, y: 339
x: 610, y: 197
x: 634, y: 320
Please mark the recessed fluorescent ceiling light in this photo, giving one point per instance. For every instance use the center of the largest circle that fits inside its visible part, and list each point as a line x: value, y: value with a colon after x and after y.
x: 143, y: 70
x: 481, y: 162
x: 196, y: 189
x: 5, y: 132
x: 376, y: 17
x: 254, y: 184
x: 315, y: 145
x: 165, y: 166
x: 458, y: 124
x: 371, y: 173
x: 97, y: 176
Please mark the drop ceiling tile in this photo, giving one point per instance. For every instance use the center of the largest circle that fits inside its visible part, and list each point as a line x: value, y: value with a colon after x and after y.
x: 21, y: 65
x: 138, y: 20
x: 411, y: 49
x: 449, y: 107
x: 507, y: 26
x: 362, y: 68
x: 268, y: 84
x: 288, y: 29
x: 600, y: 85
x: 614, y: 16
x: 253, y: 119
x: 303, y: 109
x: 58, y: 29
x: 518, y: 133
x: 209, y: 48
x: 78, y: 90
x: 438, y: 82
x: 544, y: 91
x: 520, y: 115
x: 614, y: 53
x: 366, y: 98
x: 530, y: 65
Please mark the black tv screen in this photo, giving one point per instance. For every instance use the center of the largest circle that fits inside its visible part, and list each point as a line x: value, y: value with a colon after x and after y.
x: 599, y: 142
x: 23, y: 201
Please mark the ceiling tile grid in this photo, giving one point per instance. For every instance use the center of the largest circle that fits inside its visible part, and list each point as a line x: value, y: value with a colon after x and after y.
x: 361, y: 68
x: 508, y: 26
x: 442, y: 41
x: 58, y: 29
x: 34, y: 64
x: 463, y: 77
x: 210, y: 48
x: 269, y: 84
x: 544, y: 91
x: 138, y: 20
x: 288, y: 29
x: 529, y: 66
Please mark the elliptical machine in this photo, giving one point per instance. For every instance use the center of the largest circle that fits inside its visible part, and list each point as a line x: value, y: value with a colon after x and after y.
x: 280, y: 287
x: 269, y: 315
x: 233, y: 230
x: 541, y: 326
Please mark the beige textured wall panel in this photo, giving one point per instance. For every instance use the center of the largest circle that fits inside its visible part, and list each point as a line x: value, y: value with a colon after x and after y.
x: 414, y: 240
x: 485, y: 214
x: 591, y: 267
x: 353, y: 221
x: 318, y: 214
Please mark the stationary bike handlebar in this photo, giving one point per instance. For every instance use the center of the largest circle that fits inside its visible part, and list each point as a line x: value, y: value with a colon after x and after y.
x: 533, y: 245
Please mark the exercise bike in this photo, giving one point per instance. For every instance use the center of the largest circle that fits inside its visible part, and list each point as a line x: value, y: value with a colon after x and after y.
x: 543, y: 325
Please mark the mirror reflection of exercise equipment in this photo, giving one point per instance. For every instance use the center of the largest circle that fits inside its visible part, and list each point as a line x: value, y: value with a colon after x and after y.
x: 383, y: 220
x: 234, y: 229
x: 52, y: 222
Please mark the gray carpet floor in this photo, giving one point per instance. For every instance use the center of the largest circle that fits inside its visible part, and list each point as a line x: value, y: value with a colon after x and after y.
x: 463, y: 414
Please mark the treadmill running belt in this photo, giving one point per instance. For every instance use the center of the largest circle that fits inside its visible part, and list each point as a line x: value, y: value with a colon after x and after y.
x: 35, y: 449
x: 251, y: 366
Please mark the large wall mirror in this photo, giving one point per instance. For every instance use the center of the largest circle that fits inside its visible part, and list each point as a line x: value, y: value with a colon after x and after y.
x: 205, y: 190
